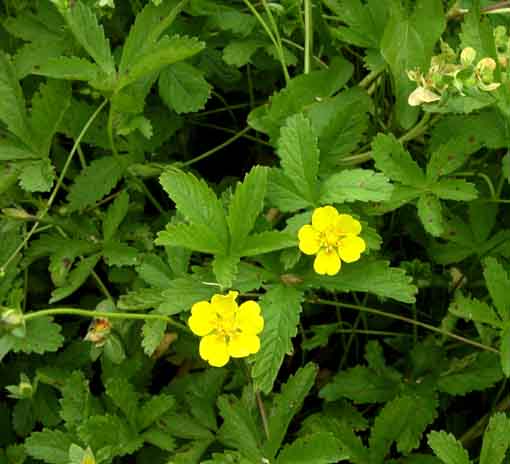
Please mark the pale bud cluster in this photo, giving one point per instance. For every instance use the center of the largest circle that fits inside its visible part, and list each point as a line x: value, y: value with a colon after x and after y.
x: 453, y: 75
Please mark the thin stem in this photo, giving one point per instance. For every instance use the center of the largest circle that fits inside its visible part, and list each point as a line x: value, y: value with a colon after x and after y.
x: 60, y: 180
x: 81, y: 157
x: 230, y: 131
x: 308, y: 35
x: 263, y: 415
x: 432, y: 328
x: 215, y: 149
x: 105, y: 314
x: 101, y: 285
x: 370, y: 77
x: 301, y: 48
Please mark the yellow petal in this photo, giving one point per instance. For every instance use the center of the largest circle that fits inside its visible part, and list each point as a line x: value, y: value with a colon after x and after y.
x: 249, y: 320
x: 327, y: 262
x: 309, y: 241
x: 324, y: 218
x: 225, y: 305
x: 202, y: 318
x: 346, y: 224
x: 213, y: 349
x: 350, y: 248
x: 243, y: 345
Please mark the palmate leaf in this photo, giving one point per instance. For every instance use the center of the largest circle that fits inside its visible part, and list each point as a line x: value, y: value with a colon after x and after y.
x: 75, y: 401
x: 183, y: 293
x: 124, y: 397
x: 68, y: 67
x: 154, y: 408
x: 265, y: 242
x: 31, y: 56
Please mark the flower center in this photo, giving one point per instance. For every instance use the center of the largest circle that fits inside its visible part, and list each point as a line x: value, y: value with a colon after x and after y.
x: 226, y: 326
x: 329, y: 239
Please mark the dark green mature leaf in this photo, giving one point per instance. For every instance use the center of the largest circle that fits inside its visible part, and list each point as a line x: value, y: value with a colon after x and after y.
x: 124, y: 396
x: 183, y: 293
x: 115, y: 215
x: 473, y: 309
x: 51, y: 446
x: 287, y: 404
x: 116, y: 253
x: 498, y: 284
x: 12, y: 149
x: 496, y: 440
x: 183, y: 88
x: 504, y: 349
x: 42, y: 335
x: 245, y: 206
x: 154, y: 408
x: 193, y: 237
x: 75, y: 401
x: 449, y: 450
x: 153, y: 332
x: 281, y: 307
x: 430, y: 214
x: 317, y: 448
x: 94, y: 182
x: 299, y: 155
x: 355, y: 185
x: 68, y: 67
x: 239, y: 52
x: 454, y: 189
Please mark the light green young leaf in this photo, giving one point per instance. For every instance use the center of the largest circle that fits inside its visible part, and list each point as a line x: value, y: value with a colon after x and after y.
x: 115, y: 215
x: 245, y: 206
x: 50, y: 446
x: 225, y: 269
x: 153, y: 332
x: 183, y: 88
x: 496, y: 440
x: 281, y: 307
x: 473, y: 309
x: 42, y: 335
x: 287, y: 404
x: 429, y: 212
x: 450, y: 156
x: 282, y: 193
x: 454, y: 189
x: 395, y: 161
x: 355, y: 185
x: 317, y: 448
x: 299, y: 155
x: 94, y: 182
x: 69, y: 68
x: 447, y: 448
x: 37, y: 176
x: 476, y: 33
x: 90, y: 35
x: 498, y: 284
x: 12, y: 102
x: 154, y: 408
x: 265, y: 242
x: 197, y: 203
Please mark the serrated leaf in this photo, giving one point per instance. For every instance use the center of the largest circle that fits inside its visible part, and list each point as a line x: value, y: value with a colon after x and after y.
x: 225, y: 269
x: 183, y: 88
x: 454, y: 189
x: 12, y: 149
x: 90, y: 35
x: 239, y: 429
x: 42, y: 335
x: 430, y: 214
x: 375, y: 277
x: 447, y: 448
x: 23, y: 417
x: 496, y: 440
x: 299, y: 155
x: 498, y: 284
x: 153, y: 332
x: 287, y: 404
x: 317, y: 448
x: 31, y: 56
x: 76, y: 278
x: 68, y: 67
x: 281, y: 307
x: 50, y: 446
x: 239, y: 52
x: 94, y: 182
x: 361, y: 385
x: 155, y: 271
x: 115, y: 215
x: 355, y: 185
x: 245, y: 206
x: 183, y: 293
x: 197, y: 203
x: 395, y: 161
x: 75, y: 399
x: 190, y: 453
x: 265, y: 242
x: 124, y: 396
x: 505, y: 351
x: 282, y: 193
x: 473, y: 309
x: 193, y: 237
x: 12, y: 102
x: 167, y: 51
x: 402, y: 420
x: 154, y: 408
x: 120, y: 254
x: 37, y: 176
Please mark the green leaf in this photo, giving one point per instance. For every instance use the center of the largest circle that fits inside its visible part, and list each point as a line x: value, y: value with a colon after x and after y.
x: 154, y: 408
x: 75, y: 401
x: 430, y: 214
x: 31, y: 56
x: 51, y: 446
x: 94, y: 182
x: 120, y: 254
x: 90, y: 35
x: 265, y: 242
x: 167, y: 51
x: 408, y: 43
x: 183, y: 88
x: 183, y: 293
x: 496, y: 440
x: 395, y: 161
x: 375, y: 277
x: 239, y: 52
x: 69, y: 68
x: 193, y: 237
x: 361, y: 385
x: 477, y: 34
x: 299, y: 155
x: 473, y: 309
x: 42, y: 335
x: 287, y: 404
x: 454, y: 189
x: 447, y: 448
x: 317, y: 448
x: 124, y: 396
x: 115, y: 215
x: 246, y: 205
x: 197, y: 203
x: 402, y: 420
x: 225, y: 269
x: 355, y: 185
x: 282, y: 193
x: 153, y: 332
x: 12, y: 149
x: 37, y: 176
x: 498, y: 284
x: 155, y: 271
x: 76, y: 278
x: 48, y: 108
x: 239, y: 429
x: 281, y: 307
x: 12, y: 102
x: 505, y: 351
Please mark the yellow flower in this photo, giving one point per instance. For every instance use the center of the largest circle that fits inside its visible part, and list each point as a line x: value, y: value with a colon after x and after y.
x: 333, y: 237
x: 228, y: 330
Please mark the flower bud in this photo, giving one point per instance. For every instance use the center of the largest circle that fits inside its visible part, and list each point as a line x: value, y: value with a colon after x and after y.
x: 98, y: 332
x: 467, y: 56
x: 422, y: 95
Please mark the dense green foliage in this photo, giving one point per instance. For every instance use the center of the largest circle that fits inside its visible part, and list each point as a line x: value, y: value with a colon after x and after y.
x: 156, y: 153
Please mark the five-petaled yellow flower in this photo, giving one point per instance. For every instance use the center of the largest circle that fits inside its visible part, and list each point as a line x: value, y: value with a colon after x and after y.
x: 228, y: 330
x: 333, y: 237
